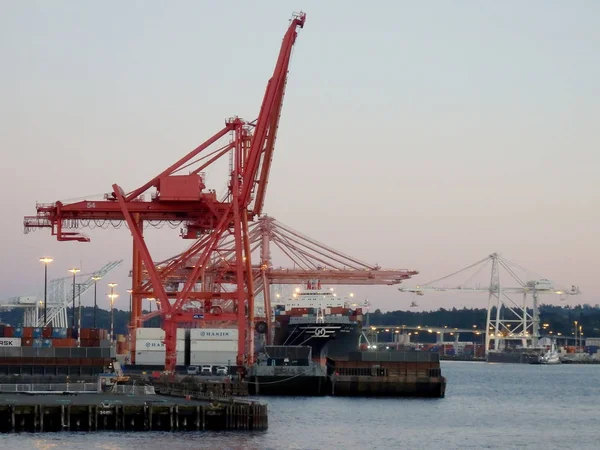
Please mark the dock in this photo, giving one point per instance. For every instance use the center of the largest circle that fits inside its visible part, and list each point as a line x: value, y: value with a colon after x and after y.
x: 137, y: 410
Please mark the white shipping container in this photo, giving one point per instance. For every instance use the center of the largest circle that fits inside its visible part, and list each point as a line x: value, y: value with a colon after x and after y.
x: 213, y: 346
x: 156, y: 333
x: 156, y: 358
x: 156, y: 345
x: 221, y: 358
x: 214, y: 334
x: 10, y: 342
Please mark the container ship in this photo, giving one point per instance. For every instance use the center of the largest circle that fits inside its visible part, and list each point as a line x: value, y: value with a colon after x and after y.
x: 48, y: 351
x: 317, y: 317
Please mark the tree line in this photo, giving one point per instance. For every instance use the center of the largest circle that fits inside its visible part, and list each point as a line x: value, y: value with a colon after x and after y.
x: 559, y: 319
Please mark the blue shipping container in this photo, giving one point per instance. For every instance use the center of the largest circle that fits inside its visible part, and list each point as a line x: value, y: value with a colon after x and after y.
x: 59, y: 333
x: 46, y: 343
x: 36, y: 343
x: 450, y: 352
x: 37, y: 332
x: 18, y: 332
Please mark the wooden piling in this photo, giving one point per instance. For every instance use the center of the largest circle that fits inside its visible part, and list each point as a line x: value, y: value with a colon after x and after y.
x: 77, y: 415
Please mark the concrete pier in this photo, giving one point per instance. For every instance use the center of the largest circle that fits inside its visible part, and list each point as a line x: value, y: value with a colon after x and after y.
x: 30, y: 412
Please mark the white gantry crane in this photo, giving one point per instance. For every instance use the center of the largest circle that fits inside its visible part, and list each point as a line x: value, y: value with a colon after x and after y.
x: 59, y: 298
x: 514, y: 320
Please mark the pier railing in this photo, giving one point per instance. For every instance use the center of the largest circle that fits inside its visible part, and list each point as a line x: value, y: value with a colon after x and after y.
x: 88, y: 388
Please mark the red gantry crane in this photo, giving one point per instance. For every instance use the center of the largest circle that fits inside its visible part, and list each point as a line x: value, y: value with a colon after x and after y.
x: 311, y: 260
x: 184, y: 199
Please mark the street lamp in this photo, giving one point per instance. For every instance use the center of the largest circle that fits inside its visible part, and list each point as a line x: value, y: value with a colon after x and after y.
x: 74, y: 271
x: 112, y: 297
x: 130, y: 291
x: 96, y: 279
x: 79, y: 314
x: 46, y: 261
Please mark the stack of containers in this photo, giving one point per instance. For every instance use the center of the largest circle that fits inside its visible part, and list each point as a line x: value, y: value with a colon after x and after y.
x: 53, y: 337
x: 213, y: 346
x: 150, y: 347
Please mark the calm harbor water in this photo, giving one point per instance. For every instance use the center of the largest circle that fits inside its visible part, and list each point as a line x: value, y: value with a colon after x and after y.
x: 487, y: 406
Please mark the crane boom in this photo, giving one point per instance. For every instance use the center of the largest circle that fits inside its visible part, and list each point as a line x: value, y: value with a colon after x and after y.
x: 263, y: 142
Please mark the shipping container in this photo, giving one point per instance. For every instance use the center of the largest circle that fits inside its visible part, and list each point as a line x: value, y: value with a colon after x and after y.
x: 64, y: 342
x: 17, y: 332
x: 59, y: 333
x: 47, y: 332
x: 10, y: 342
x: 156, y: 333
x: 215, y: 334
x: 36, y: 332
x: 213, y: 346
x: 199, y: 358
x: 155, y: 358
x: 157, y: 345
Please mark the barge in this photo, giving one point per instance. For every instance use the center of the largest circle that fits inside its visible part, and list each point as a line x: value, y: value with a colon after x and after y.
x: 359, y: 374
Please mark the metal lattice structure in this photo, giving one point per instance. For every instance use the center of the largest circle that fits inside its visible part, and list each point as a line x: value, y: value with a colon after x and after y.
x: 178, y: 195
x: 516, y: 320
x: 308, y: 258
x: 60, y: 297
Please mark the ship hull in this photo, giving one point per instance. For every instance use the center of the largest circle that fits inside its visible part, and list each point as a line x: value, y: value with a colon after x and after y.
x: 328, y: 339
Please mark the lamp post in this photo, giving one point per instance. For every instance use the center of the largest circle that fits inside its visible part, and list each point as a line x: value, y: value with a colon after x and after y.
x: 112, y: 297
x: 74, y: 271
x: 46, y: 261
x: 78, y: 314
x: 130, y: 291
x: 96, y: 279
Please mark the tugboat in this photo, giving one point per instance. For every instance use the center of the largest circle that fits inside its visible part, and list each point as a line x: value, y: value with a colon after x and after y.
x: 550, y: 357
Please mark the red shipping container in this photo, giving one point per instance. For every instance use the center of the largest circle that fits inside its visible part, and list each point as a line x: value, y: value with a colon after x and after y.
x: 64, y: 342
x: 8, y: 331
x: 27, y: 332
x: 85, y: 333
x: 47, y: 332
x: 26, y: 342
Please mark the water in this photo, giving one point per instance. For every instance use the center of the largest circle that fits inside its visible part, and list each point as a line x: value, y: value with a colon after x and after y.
x: 491, y: 406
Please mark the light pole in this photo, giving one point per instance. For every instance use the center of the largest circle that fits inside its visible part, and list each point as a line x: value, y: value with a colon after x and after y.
x: 130, y: 291
x: 46, y: 261
x: 78, y: 314
x: 74, y: 271
x: 112, y: 297
x: 96, y: 279
x: 575, y: 334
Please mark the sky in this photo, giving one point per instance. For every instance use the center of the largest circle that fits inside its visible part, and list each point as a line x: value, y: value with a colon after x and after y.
x: 421, y: 135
